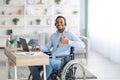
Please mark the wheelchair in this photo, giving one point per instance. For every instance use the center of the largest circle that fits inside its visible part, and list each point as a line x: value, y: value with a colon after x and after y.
x: 71, y: 69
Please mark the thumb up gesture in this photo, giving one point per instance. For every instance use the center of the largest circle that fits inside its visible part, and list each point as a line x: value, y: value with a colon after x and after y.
x: 64, y: 40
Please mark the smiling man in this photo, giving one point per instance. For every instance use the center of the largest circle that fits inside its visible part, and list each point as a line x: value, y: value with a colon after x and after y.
x: 60, y: 42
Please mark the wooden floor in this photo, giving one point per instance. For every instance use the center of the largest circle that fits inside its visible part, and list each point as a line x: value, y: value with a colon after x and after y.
x: 102, y: 67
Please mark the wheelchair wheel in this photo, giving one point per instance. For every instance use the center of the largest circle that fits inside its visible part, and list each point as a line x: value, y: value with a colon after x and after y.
x: 73, y: 71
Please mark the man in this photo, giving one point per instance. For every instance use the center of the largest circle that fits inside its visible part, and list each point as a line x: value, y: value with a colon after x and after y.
x: 60, y: 42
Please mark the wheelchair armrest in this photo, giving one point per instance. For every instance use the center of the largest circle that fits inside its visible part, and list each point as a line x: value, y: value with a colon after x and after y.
x: 63, y: 56
x: 66, y: 56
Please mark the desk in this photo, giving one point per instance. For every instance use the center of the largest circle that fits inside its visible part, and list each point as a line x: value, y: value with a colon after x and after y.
x: 26, y: 60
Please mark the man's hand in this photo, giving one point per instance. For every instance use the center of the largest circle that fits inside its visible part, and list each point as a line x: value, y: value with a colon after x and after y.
x: 64, y: 40
x: 35, y: 48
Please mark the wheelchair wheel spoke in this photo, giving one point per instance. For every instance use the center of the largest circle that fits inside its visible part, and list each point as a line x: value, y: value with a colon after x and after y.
x: 74, y: 71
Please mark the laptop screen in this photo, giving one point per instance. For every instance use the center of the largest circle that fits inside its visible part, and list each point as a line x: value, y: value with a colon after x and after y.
x: 24, y: 44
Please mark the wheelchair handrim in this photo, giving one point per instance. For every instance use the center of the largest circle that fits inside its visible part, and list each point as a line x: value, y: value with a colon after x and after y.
x: 67, y: 67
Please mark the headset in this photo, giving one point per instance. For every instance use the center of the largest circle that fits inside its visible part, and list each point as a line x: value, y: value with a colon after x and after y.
x: 61, y: 17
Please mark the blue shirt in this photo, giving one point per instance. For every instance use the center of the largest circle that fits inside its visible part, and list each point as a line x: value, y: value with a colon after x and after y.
x: 59, y: 49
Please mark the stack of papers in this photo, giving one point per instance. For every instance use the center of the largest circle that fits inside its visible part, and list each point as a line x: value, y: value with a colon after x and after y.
x: 29, y: 53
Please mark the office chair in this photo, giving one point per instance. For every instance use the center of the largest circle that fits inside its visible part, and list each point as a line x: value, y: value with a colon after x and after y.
x: 69, y: 69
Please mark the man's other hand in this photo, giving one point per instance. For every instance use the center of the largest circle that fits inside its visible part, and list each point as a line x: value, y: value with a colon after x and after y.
x: 35, y: 48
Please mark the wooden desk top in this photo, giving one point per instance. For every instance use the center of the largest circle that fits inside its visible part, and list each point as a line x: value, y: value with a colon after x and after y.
x: 26, y: 60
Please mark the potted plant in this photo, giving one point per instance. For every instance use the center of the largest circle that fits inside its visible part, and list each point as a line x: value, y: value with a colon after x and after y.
x: 7, y: 1
x: 11, y: 40
x: 15, y: 20
x: 38, y: 21
x: 11, y: 43
x: 57, y: 1
x: 45, y: 10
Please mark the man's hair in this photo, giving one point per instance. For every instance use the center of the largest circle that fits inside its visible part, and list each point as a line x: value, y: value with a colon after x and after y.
x: 61, y: 17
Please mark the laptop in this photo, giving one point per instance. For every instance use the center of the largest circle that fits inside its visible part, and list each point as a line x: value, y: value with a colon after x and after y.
x: 26, y: 49
x: 24, y: 44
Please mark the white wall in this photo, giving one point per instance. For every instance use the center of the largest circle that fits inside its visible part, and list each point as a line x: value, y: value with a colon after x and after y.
x: 104, y: 23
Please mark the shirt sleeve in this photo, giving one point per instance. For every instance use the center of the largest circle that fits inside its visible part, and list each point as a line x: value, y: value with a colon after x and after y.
x: 76, y: 42
x: 47, y: 47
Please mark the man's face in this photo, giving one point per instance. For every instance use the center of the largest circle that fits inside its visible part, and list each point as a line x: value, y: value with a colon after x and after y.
x: 60, y: 24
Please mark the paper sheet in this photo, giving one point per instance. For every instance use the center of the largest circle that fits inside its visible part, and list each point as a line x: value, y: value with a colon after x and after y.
x: 29, y: 53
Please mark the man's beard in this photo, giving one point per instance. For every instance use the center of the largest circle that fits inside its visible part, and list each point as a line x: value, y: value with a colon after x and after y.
x: 61, y: 30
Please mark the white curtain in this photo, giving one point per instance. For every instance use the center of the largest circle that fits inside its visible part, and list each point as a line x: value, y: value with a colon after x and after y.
x: 104, y: 27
